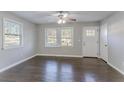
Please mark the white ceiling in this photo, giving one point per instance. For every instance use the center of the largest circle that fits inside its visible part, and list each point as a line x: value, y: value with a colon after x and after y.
x: 40, y: 17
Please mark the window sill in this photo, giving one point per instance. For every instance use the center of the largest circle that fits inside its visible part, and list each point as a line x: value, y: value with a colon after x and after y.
x: 58, y: 46
x: 52, y: 46
x: 67, y: 46
x: 8, y: 48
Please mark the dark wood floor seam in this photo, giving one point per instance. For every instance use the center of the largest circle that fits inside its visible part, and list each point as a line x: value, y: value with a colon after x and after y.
x: 61, y: 69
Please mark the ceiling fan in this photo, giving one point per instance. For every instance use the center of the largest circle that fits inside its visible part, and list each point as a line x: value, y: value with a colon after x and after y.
x: 63, y: 17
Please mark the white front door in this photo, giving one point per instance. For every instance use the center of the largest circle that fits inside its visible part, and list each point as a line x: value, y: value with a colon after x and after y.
x: 104, y: 42
x: 90, y: 41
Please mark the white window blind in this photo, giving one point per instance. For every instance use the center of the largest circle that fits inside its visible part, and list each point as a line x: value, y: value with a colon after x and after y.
x: 56, y: 37
x: 66, y: 36
x: 12, y: 34
x: 51, y: 37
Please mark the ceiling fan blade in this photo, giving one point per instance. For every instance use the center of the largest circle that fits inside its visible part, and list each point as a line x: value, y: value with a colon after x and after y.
x: 72, y: 19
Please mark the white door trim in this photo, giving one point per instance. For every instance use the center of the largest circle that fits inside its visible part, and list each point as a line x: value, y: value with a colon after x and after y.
x: 104, y: 42
x: 98, y: 41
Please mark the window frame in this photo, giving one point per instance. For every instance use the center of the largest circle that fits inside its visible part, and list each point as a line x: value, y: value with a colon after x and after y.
x: 72, y: 37
x: 46, y: 43
x: 58, y: 37
x: 3, y: 34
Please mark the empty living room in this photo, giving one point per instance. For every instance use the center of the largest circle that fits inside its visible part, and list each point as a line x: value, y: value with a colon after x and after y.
x: 61, y: 46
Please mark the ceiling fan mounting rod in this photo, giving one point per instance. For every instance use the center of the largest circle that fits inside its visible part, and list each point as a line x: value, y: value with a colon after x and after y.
x: 60, y: 16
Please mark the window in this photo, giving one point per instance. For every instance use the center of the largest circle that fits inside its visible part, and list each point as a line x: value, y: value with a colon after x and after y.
x: 66, y: 36
x: 55, y: 37
x: 90, y: 33
x: 12, y: 34
x: 51, y: 37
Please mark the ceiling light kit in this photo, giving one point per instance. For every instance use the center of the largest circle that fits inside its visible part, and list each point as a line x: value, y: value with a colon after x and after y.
x: 44, y: 17
x: 63, y: 17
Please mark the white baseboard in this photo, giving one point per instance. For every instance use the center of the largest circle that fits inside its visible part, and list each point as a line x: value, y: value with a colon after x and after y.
x: 59, y: 55
x: 21, y: 61
x: 15, y: 64
x: 99, y: 57
x: 115, y: 68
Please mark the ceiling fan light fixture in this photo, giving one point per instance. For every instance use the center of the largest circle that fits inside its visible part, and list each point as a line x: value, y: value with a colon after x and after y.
x: 63, y: 21
x: 65, y: 15
x: 60, y: 21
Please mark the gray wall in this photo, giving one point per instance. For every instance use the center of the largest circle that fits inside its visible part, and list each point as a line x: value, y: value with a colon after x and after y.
x: 34, y: 41
x: 76, y: 50
x: 11, y: 56
x: 115, y: 40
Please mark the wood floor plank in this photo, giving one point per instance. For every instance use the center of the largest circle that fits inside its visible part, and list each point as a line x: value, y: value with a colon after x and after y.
x: 60, y: 69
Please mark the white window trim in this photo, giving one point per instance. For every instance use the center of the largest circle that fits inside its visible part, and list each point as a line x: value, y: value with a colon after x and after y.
x: 72, y: 37
x: 58, y: 39
x: 3, y: 32
x: 46, y: 45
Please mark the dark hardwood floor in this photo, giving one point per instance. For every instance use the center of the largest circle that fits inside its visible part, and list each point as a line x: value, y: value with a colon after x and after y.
x: 58, y: 69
